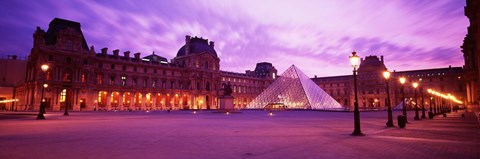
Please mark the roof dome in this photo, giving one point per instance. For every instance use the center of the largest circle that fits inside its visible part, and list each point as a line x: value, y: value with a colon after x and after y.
x: 371, y: 64
x: 196, y: 45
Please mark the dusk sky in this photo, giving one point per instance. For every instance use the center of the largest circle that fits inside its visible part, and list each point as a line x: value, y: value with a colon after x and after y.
x: 315, y: 35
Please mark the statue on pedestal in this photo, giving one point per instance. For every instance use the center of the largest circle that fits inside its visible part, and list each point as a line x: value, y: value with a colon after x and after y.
x: 227, y: 89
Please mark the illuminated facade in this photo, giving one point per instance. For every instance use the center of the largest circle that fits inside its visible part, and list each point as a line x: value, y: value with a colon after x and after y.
x: 372, y: 88
x: 79, y: 78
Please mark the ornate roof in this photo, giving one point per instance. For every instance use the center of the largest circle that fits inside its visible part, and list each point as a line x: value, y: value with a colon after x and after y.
x: 56, y: 25
x: 371, y: 64
x: 155, y: 58
x: 196, y: 45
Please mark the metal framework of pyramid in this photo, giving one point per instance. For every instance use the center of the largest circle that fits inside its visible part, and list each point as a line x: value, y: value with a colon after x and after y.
x: 294, y: 90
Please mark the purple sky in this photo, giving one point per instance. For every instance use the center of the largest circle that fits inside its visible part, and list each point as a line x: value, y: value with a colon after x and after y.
x: 315, y: 35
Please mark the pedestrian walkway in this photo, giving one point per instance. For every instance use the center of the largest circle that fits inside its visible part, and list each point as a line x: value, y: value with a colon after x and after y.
x: 248, y: 134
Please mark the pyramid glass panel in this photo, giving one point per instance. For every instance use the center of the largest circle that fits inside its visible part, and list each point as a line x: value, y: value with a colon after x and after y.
x: 294, y: 90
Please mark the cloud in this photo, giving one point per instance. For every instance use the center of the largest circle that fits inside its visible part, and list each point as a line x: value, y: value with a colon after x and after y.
x: 317, y: 36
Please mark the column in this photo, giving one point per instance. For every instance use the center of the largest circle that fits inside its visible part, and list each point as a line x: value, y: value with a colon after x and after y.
x: 76, y: 100
x: 120, y: 102
x: 143, y: 105
x: 109, y: 100
x: 132, y: 101
x: 153, y: 98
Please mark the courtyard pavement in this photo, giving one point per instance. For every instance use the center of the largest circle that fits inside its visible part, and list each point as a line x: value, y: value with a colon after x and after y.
x: 246, y: 134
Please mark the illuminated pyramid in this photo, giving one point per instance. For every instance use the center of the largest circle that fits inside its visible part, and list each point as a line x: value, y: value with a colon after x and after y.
x: 294, y: 90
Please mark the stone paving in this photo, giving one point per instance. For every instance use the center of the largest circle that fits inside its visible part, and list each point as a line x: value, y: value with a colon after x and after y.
x: 247, y: 134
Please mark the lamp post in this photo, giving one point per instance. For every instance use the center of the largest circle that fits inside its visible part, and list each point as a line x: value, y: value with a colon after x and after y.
x: 67, y: 103
x: 435, y: 100
x: 415, y: 85
x: 389, y: 123
x: 41, y: 109
x: 423, y: 104
x: 402, y: 81
x: 450, y: 102
x: 355, y: 60
x: 430, y: 113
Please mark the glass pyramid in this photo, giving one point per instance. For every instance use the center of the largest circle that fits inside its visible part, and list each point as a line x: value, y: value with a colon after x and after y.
x: 294, y: 90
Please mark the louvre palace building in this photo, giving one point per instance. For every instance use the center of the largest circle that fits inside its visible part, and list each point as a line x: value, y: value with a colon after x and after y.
x: 81, y: 78
x: 372, y: 92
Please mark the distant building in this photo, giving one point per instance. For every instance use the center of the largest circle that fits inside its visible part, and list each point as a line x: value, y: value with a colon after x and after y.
x: 372, y: 88
x: 12, y: 74
x: 79, y: 78
x: 471, y: 52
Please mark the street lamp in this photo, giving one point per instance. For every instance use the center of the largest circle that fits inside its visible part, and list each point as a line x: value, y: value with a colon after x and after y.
x: 402, y: 81
x: 423, y: 103
x: 44, y: 67
x: 41, y: 109
x: 415, y: 85
x: 389, y: 123
x: 430, y: 113
x: 355, y: 61
x: 450, y: 97
x: 67, y: 103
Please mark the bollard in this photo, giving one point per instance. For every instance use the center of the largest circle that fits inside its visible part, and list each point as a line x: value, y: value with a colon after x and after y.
x: 444, y: 115
x: 401, y: 121
x: 463, y: 115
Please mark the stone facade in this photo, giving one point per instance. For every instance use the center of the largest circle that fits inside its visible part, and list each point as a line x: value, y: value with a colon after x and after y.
x: 79, y: 78
x: 372, y: 85
x: 12, y: 75
x: 471, y: 52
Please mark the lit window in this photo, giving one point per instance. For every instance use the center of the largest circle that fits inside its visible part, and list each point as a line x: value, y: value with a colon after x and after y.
x: 63, y: 95
x: 124, y: 80
x: 84, y: 78
x: 48, y: 75
x: 99, y: 79
x: 67, y: 77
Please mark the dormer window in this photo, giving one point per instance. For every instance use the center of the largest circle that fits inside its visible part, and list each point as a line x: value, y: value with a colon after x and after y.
x: 69, y: 45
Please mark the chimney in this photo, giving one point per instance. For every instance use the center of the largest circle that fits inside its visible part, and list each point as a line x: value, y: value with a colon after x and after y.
x: 315, y: 76
x: 137, y: 55
x: 187, y: 44
x: 115, y: 52
x: 212, y: 44
x: 104, y: 51
x: 126, y: 54
x: 381, y: 58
